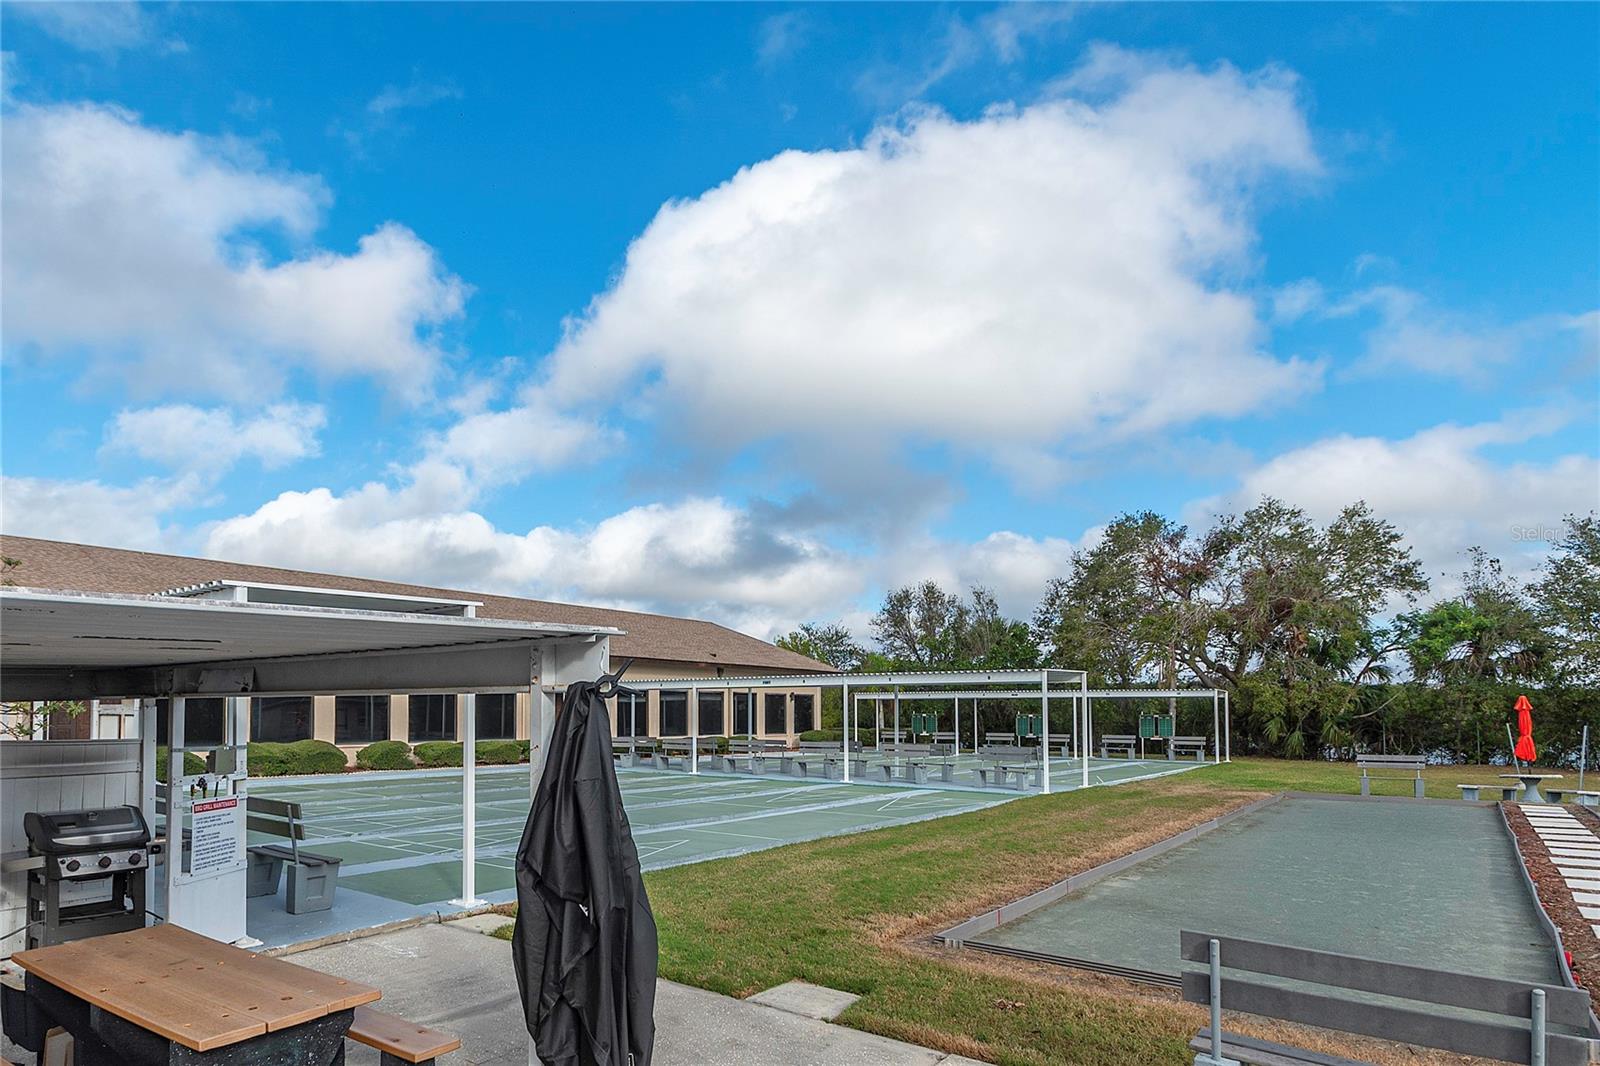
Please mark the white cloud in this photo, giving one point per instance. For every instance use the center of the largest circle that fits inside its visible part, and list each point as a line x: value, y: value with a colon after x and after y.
x: 1443, y: 488
x: 417, y: 94
x: 1039, y: 275
x: 507, y: 445
x: 91, y: 27
x: 134, y: 246
x: 1010, y: 25
x: 780, y: 36
x: 1410, y: 334
x: 93, y: 512
x: 956, y: 43
x: 1296, y: 300
x: 184, y: 437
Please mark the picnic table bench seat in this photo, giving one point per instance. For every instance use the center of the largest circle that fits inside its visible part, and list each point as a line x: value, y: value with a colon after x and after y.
x: 1179, y: 746
x: 825, y: 756
x: 398, y: 1040
x: 918, y: 760
x: 1505, y: 790
x: 1011, y: 766
x: 1125, y: 743
x: 313, y: 877
x: 1391, y: 768
x: 755, y: 754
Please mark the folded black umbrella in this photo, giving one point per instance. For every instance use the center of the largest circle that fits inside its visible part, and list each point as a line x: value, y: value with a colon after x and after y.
x: 585, y: 941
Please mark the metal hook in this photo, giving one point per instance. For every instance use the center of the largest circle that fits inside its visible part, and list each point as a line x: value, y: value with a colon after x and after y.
x: 606, y: 684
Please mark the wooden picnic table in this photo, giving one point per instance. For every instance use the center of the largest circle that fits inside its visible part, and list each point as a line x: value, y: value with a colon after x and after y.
x: 163, y: 994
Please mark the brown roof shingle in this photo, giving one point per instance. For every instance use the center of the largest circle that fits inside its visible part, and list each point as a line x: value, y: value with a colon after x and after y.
x: 57, y: 564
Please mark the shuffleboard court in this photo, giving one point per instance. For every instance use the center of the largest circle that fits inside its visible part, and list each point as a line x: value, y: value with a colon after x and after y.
x: 400, y: 835
x: 1433, y: 884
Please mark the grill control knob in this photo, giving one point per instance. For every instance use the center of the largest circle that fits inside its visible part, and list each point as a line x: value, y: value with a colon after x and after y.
x: 135, y: 859
x: 105, y: 860
x: 73, y: 865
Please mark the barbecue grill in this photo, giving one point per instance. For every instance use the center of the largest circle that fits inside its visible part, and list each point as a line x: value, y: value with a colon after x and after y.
x: 91, y: 880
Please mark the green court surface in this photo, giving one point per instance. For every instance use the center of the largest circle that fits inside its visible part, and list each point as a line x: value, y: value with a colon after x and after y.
x: 1431, y: 883
x: 400, y: 835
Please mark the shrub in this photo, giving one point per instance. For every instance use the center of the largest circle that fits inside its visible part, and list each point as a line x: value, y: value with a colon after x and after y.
x: 193, y: 764
x: 386, y: 755
x: 268, y: 759
x: 865, y: 737
x: 525, y: 751
x: 433, y: 753
x: 496, y: 752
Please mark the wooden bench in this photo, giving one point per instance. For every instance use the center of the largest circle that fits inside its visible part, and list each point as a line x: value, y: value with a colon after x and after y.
x: 1180, y: 746
x: 398, y: 1040
x: 1581, y: 798
x: 1513, y: 1021
x: 918, y: 760
x: 1011, y: 765
x: 1406, y: 765
x: 825, y: 756
x: 312, y: 877
x: 1123, y: 743
x: 754, y: 752
x: 1505, y: 791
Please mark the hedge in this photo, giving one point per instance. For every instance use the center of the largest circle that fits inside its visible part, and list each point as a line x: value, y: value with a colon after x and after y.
x: 435, y: 753
x: 193, y: 764
x: 386, y: 755
x: 300, y: 757
x: 865, y: 737
x: 498, y: 752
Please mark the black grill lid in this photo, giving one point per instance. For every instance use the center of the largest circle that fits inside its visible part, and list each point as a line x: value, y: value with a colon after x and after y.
x: 90, y: 830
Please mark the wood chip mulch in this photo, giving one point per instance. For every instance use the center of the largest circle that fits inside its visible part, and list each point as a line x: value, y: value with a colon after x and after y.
x: 1577, y: 933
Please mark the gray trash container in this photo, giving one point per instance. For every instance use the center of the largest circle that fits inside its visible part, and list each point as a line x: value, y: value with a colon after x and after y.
x: 311, y: 883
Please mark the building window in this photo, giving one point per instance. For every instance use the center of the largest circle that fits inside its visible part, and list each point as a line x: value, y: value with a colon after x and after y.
x: 804, y: 719
x: 433, y: 717
x: 777, y: 712
x: 743, y: 725
x: 674, y: 714
x: 711, y: 716
x: 633, y: 716
x: 360, y: 719
x: 497, y: 716
x: 202, y: 722
x: 280, y: 719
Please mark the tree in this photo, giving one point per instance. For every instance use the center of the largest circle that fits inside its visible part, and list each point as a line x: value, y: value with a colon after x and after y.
x: 1488, y: 633
x: 830, y: 643
x: 921, y: 626
x: 1567, y: 601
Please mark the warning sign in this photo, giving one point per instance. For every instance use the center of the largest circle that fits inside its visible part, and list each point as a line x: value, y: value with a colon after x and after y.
x: 217, y: 843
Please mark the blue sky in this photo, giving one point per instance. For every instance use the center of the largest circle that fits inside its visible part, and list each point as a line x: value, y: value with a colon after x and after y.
x: 752, y: 311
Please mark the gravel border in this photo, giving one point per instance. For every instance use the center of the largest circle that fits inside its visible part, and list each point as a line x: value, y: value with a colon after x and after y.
x: 1577, y: 933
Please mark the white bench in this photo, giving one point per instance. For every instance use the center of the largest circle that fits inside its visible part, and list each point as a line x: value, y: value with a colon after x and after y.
x: 1404, y: 767
x: 1507, y: 792
x: 919, y: 759
x: 1011, y: 766
x: 824, y: 755
x: 1180, y: 746
x: 1581, y: 798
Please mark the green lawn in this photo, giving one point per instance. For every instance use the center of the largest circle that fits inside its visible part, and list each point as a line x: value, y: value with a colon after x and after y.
x: 854, y: 912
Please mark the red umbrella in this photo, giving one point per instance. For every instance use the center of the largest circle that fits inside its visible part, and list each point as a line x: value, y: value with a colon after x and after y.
x: 1525, y: 749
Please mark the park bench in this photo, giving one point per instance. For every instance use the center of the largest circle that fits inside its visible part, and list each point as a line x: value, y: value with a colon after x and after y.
x: 1177, y: 747
x: 754, y: 753
x: 918, y: 760
x: 824, y: 755
x: 1514, y: 1021
x: 1000, y: 740
x: 1581, y: 798
x: 671, y: 748
x: 1251, y: 1051
x: 1009, y: 763
x: 1504, y: 790
x: 1391, y: 768
x: 629, y: 751
x: 312, y: 877
x: 1125, y: 744
x: 398, y: 1040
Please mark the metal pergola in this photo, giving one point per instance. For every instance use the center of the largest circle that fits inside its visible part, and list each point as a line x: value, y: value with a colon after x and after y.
x: 1042, y: 683
x: 237, y: 640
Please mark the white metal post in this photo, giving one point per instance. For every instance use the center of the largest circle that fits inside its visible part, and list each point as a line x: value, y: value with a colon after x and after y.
x: 977, y: 738
x: 175, y: 709
x: 469, y: 803
x: 147, y: 784
x: 957, y: 716
x: 1537, y: 1058
x: 1044, y: 725
x: 1088, y: 726
x: 1214, y: 950
x: 844, y: 720
x: 1227, y: 729
x: 694, y: 731
x: 1216, y: 729
x: 897, y: 715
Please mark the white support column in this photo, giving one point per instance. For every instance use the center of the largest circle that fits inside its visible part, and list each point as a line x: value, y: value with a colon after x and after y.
x: 147, y: 786
x: 844, y: 720
x: 977, y: 737
x: 1227, y: 729
x: 175, y: 709
x: 1044, y: 726
x: 694, y: 731
x: 897, y: 714
x: 957, y: 716
x: 1088, y: 728
x: 1216, y: 728
x: 469, y: 803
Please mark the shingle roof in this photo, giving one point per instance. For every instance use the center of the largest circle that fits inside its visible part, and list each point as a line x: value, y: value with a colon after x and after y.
x: 57, y: 564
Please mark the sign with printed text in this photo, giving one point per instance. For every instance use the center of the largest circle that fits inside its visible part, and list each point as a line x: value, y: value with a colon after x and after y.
x: 217, y: 845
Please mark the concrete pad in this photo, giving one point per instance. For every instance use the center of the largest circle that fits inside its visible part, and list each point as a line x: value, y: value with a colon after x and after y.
x: 478, y: 923
x: 427, y: 977
x: 1591, y: 913
x: 1587, y: 898
x: 807, y: 1000
x: 1578, y: 884
x: 1568, y: 860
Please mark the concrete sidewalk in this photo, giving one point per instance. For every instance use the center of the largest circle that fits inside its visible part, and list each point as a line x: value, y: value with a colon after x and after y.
x: 454, y: 978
